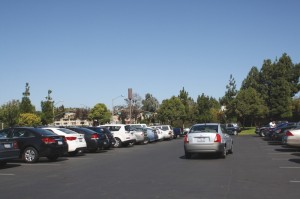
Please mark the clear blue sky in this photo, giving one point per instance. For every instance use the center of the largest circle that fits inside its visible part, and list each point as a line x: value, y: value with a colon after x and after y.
x: 91, y: 51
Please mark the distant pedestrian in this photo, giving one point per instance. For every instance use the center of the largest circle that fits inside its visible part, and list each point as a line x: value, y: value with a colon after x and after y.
x: 272, y: 124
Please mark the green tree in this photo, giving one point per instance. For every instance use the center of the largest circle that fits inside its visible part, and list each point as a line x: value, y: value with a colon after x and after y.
x: 252, y: 80
x: 188, y: 103
x: 170, y: 110
x: 47, y: 110
x: 150, y: 106
x: 29, y: 119
x: 99, y: 114
x: 228, y: 100
x: 250, y: 107
x: 9, y: 113
x: 25, y: 105
x: 207, y: 109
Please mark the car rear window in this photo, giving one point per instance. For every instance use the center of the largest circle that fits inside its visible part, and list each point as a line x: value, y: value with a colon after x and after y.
x: 67, y: 131
x: 204, y: 128
x: 44, y: 132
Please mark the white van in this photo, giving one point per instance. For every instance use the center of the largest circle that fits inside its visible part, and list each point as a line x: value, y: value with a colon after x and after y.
x: 122, y: 134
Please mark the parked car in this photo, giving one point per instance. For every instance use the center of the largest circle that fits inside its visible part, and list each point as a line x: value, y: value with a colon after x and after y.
x: 177, y: 132
x: 278, y: 132
x: 151, y: 134
x: 109, y: 135
x: 233, y: 128
x: 167, y: 131
x: 94, y: 141
x: 8, y: 150
x: 159, y: 132
x: 76, y: 141
x: 122, y: 134
x: 36, y: 142
x: 140, y: 135
x: 208, y: 138
x: 292, y: 137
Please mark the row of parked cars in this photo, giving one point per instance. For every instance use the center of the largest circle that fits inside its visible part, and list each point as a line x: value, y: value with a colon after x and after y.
x: 288, y: 133
x: 31, y: 143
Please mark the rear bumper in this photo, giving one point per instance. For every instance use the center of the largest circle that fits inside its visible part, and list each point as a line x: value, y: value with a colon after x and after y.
x: 9, y: 154
x: 204, y: 148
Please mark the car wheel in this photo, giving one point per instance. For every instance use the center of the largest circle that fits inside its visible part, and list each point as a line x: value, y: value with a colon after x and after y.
x: 73, y: 153
x: 118, y: 143
x: 30, y: 155
x: 231, y: 149
x: 187, y: 155
x: 262, y: 133
x: 53, y: 157
x: 93, y: 150
x: 224, y: 153
x: 146, y: 141
x: 2, y: 163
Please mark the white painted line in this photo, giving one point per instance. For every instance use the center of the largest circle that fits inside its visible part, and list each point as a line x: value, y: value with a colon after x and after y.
x: 287, y: 153
x: 289, y: 167
x: 7, y: 174
x: 294, y: 181
x: 280, y: 159
x: 39, y: 164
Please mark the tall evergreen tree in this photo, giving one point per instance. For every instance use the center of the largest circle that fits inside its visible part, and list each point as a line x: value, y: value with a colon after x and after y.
x: 47, y: 115
x: 25, y: 105
x: 228, y: 100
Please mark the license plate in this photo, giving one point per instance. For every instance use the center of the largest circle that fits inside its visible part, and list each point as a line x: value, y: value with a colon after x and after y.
x: 59, y: 142
x: 7, y: 146
x: 201, y: 140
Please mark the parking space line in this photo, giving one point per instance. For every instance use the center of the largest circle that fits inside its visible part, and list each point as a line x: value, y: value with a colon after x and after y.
x: 286, y: 159
x: 294, y: 181
x: 289, y: 167
x: 42, y: 164
x: 7, y: 174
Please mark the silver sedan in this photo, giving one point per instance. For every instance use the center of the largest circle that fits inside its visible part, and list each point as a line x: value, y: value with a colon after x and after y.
x: 208, y: 138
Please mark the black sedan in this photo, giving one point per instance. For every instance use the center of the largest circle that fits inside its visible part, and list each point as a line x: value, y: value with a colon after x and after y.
x: 35, y: 143
x: 109, y: 135
x: 94, y: 140
x: 8, y: 150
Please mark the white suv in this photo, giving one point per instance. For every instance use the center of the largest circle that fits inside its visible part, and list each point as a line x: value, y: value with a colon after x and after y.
x: 122, y: 134
x: 167, y: 131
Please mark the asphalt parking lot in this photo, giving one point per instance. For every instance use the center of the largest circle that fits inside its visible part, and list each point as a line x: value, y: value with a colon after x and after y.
x: 257, y: 169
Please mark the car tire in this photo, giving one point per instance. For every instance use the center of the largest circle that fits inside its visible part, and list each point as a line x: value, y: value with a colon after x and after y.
x: 231, y: 149
x: 53, y: 158
x: 146, y: 141
x: 93, y: 150
x: 73, y: 153
x: 30, y: 155
x: 118, y: 143
x: 224, y: 153
x: 3, y: 163
x: 187, y: 155
x: 262, y: 133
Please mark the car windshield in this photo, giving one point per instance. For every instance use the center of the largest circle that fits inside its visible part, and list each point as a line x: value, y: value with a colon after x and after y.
x: 204, y: 128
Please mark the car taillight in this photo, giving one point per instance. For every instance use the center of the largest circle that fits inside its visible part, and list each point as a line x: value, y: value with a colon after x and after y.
x: 186, y: 139
x: 15, y: 145
x: 48, y: 140
x: 71, y: 138
x: 218, y: 138
x: 288, y: 133
x: 95, y: 136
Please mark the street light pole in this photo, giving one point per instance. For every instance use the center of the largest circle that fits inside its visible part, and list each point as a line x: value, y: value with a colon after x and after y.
x: 112, y: 107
